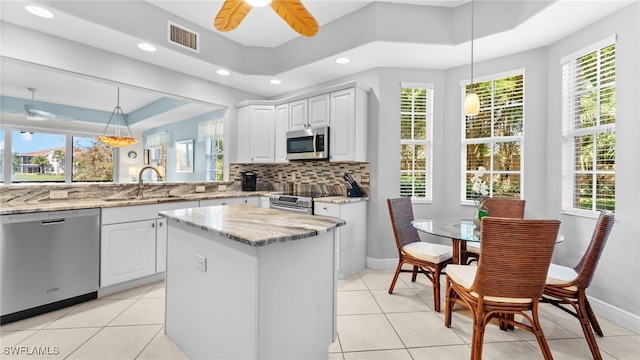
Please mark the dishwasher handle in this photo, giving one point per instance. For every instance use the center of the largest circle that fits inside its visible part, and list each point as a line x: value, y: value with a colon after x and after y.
x: 52, y: 222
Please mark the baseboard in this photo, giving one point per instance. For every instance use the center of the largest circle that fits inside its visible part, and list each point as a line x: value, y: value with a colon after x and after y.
x: 604, y: 310
x: 108, y: 290
x: 616, y: 315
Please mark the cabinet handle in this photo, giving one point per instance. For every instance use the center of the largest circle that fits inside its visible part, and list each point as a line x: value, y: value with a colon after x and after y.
x: 160, y: 224
x: 153, y: 225
x: 324, y: 208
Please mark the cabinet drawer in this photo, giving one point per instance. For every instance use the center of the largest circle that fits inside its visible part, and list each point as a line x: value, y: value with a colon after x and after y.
x: 326, y: 209
x: 141, y: 212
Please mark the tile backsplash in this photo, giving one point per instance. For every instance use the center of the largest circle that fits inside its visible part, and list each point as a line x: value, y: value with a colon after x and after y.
x: 323, y: 176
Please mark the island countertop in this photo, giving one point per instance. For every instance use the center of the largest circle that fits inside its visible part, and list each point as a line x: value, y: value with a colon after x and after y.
x: 252, y: 225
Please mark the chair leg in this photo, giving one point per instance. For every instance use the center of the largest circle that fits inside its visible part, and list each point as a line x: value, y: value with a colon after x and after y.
x: 436, y: 288
x: 448, y: 303
x: 586, y: 328
x: 592, y: 318
x: 414, y: 275
x: 537, y: 331
x: 477, y: 338
x: 395, y: 277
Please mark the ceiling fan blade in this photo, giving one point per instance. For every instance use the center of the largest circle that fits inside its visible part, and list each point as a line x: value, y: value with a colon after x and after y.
x: 296, y: 15
x: 231, y: 14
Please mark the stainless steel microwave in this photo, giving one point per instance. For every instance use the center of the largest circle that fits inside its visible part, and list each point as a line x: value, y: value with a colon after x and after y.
x: 308, y: 144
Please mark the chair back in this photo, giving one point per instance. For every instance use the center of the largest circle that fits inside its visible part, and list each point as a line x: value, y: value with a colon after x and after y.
x: 587, y: 265
x: 401, y: 213
x: 515, y: 265
x: 505, y: 207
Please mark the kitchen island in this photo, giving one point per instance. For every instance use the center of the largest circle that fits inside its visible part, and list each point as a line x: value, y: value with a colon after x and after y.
x: 250, y: 283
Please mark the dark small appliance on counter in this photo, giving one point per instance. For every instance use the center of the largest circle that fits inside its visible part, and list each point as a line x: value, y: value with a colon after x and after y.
x: 353, y: 190
x: 249, y: 180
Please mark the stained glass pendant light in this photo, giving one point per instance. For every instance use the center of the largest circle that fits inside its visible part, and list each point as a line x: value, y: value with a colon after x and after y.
x: 471, y: 101
x: 117, y: 140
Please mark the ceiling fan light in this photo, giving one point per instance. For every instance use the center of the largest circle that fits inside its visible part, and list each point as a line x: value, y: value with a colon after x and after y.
x: 258, y: 3
x: 471, y: 104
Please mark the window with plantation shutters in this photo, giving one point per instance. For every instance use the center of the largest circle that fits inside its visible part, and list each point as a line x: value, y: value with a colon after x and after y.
x: 588, y: 131
x: 492, y: 140
x: 416, y: 116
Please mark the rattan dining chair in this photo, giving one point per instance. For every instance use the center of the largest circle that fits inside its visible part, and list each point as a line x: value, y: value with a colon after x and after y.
x: 508, y: 280
x: 497, y: 207
x: 426, y: 258
x: 568, y: 286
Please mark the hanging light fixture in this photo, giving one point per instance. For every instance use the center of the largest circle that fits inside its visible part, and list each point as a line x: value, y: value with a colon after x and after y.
x: 117, y: 140
x: 471, y: 101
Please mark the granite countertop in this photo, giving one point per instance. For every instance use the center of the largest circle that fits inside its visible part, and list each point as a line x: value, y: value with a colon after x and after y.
x: 89, y: 203
x: 252, y: 225
x: 115, y: 201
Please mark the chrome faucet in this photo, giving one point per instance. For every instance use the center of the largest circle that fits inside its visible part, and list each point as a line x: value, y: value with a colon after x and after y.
x: 140, y: 188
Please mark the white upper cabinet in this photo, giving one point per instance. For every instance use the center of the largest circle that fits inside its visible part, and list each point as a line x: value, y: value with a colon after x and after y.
x: 282, y: 126
x: 298, y: 115
x: 256, y: 133
x: 319, y: 111
x: 348, y: 125
x: 263, y: 124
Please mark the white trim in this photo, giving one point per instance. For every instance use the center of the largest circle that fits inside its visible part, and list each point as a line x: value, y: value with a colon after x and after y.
x: 413, y: 85
x: 616, y: 315
x: 479, y: 79
x: 609, y: 40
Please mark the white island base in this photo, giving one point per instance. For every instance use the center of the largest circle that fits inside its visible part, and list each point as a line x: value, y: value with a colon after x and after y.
x: 275, y: 301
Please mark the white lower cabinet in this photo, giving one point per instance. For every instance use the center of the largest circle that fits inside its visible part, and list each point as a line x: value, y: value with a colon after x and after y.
x: 128, y: 251
x: 133, y: 241
x: 351, y: 247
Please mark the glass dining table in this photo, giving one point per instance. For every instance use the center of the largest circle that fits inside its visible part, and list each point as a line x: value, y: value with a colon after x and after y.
x: 459, y: 230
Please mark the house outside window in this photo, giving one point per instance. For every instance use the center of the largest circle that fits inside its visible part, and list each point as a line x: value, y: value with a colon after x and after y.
x: 588, y: 128
x: 416, y: 123
x: 493, y: 139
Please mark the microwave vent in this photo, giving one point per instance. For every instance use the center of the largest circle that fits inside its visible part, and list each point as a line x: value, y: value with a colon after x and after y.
x: 181, y: 36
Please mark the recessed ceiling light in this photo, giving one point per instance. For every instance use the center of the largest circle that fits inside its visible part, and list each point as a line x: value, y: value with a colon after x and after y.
x: 147, y: 47
x: 342, y: 60
x: 275, y: 82
x: 38, y: 11
x: 223, y: 72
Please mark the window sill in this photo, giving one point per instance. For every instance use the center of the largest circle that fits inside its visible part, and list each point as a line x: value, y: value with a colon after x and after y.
x: 580, y: 213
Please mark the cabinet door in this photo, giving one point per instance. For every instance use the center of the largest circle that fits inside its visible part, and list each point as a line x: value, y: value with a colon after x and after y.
x: 225, y: 201
x: 244, y: 134
x: 319, y: 110
x: 282, y: 126
x: 128, y: 251
x: 161, y: 245
x: 262, y: 134
x: 343, y: 125
x: 298, y: 115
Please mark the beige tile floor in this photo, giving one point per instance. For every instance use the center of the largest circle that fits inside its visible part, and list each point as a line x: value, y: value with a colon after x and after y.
x: 371, y: 325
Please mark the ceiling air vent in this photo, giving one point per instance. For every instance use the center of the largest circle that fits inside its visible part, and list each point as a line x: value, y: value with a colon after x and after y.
x: 184, y: 37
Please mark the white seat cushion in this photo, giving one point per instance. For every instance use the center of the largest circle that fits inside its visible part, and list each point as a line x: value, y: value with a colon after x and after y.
x: 464, y: 275
x: 473, y: 247
x: 435, y: 253
x: 558, y: 275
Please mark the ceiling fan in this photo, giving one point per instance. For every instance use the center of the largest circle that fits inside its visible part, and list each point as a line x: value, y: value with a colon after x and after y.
x: 292, y: 11
x: 34, y: 112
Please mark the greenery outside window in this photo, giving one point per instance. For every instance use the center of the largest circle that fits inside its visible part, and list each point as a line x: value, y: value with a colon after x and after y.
x: 416, y: 118
x: 493, y: 139
x: 215, y: 159
x: 588, y: 134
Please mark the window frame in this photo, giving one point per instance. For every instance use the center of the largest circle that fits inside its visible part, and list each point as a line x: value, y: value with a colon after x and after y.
x: 427, y: 142
x: 570, y: 132
x: 464, y: 173
x: 68, y: 164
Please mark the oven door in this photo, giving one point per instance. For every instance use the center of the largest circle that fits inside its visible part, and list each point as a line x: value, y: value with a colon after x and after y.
x: 295, y: 209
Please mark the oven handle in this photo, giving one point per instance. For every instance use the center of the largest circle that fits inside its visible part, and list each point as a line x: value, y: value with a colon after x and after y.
x: 292, y: 209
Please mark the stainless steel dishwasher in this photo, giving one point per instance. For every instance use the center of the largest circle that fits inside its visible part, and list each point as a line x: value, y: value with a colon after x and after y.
x: 49, y: 260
